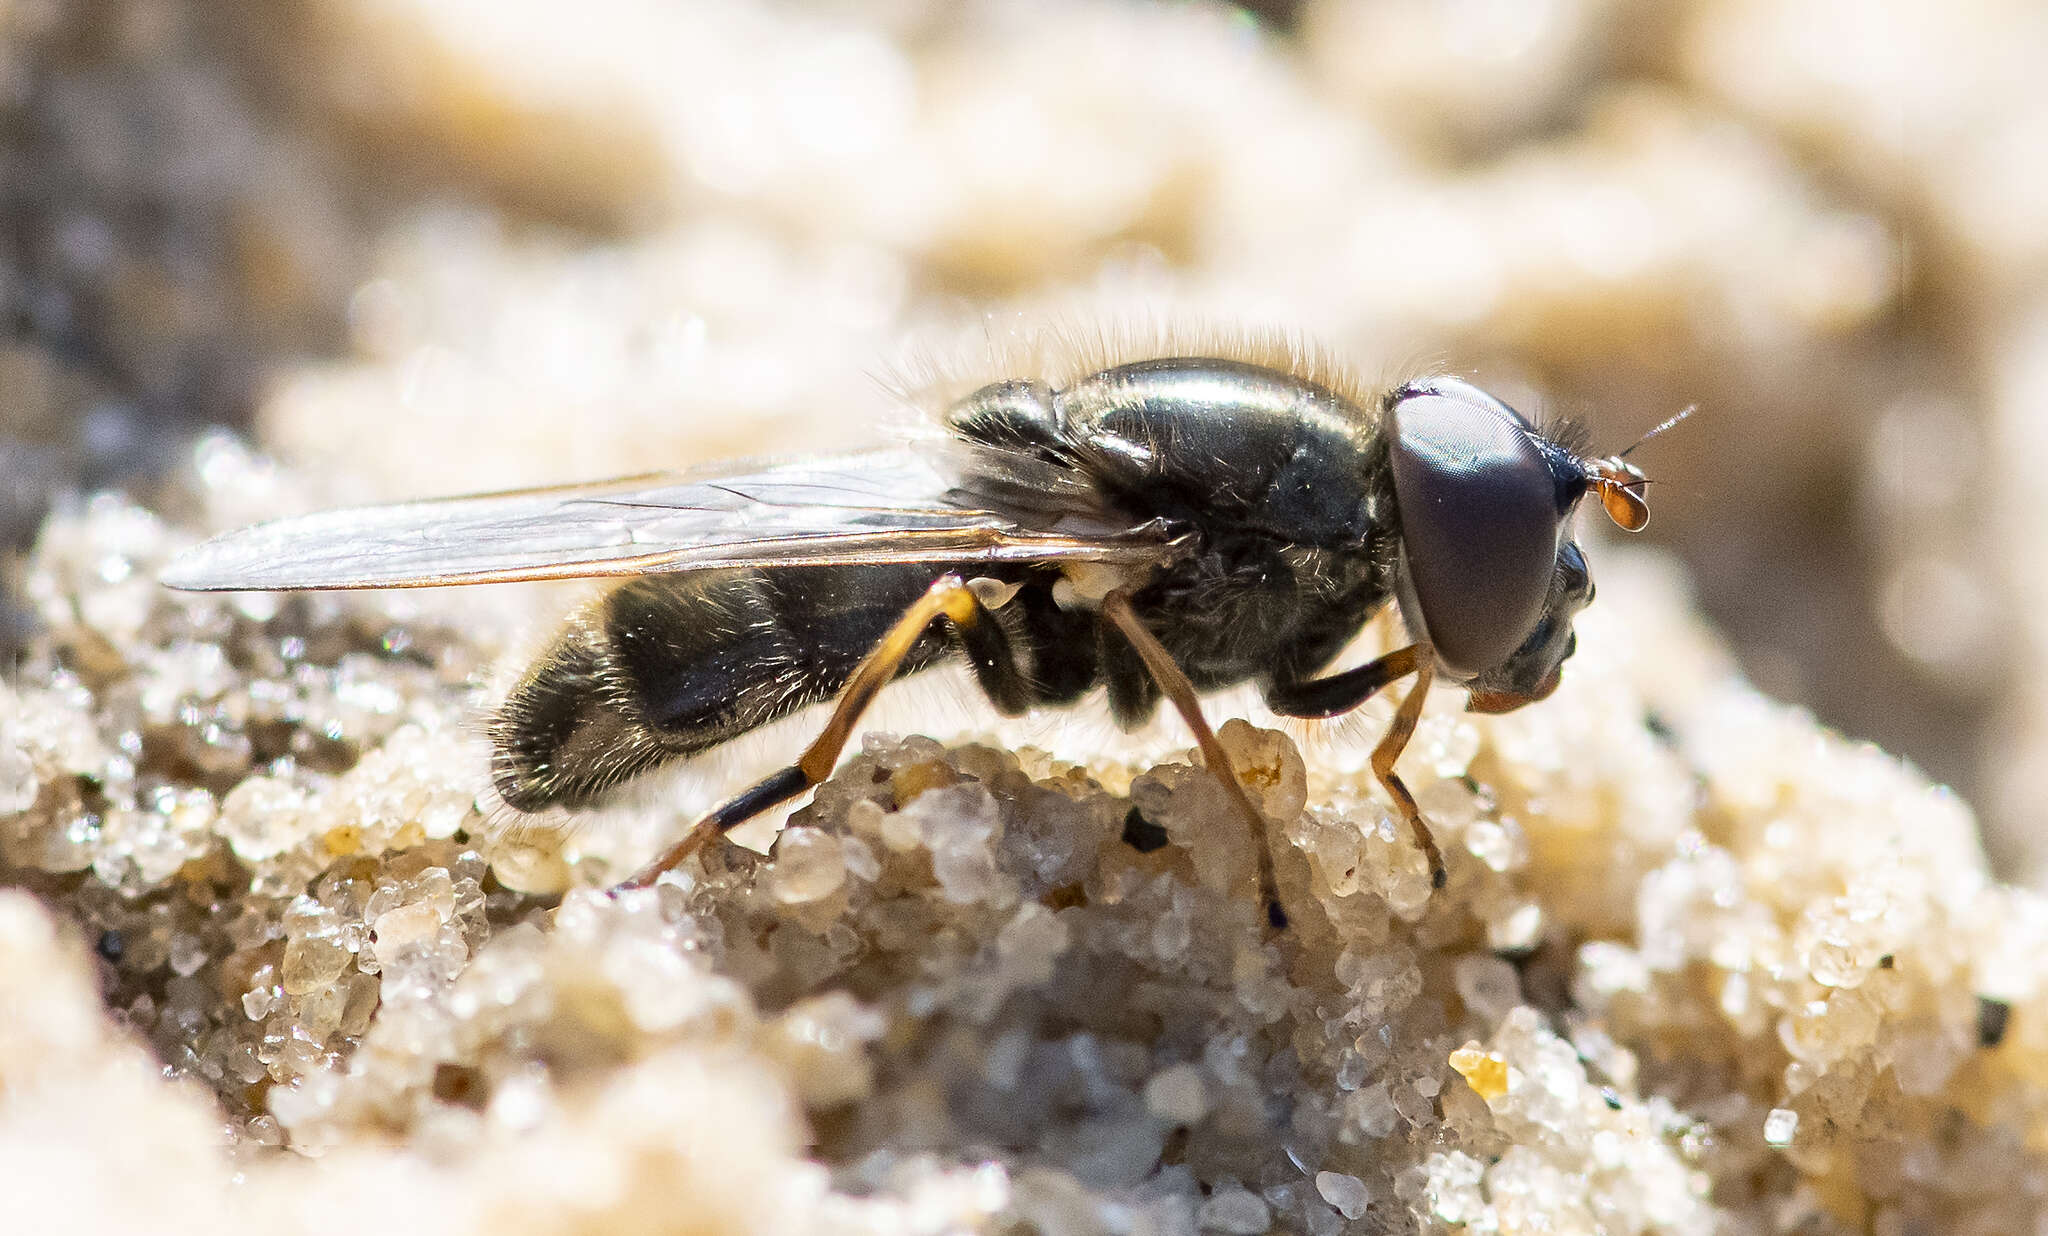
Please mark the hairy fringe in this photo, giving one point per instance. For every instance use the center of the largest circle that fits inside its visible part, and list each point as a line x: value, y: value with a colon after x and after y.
x: 1063, y: 348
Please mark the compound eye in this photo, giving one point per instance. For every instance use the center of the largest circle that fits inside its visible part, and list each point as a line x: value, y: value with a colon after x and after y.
x: 1480, y: 521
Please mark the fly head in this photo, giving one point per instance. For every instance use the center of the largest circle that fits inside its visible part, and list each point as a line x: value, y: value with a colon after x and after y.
x: 1487, y: 575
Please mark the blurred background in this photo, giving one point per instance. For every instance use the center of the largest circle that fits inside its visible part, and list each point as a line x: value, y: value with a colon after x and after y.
x: 423, y: 246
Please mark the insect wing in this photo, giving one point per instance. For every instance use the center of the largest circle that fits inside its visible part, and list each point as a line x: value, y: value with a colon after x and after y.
x: 880, y: 506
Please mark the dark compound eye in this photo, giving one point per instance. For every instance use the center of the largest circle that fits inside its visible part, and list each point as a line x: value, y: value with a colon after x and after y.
x: 1481, y: 508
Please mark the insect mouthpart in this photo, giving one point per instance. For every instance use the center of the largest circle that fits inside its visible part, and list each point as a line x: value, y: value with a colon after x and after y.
x: 1508, y: 701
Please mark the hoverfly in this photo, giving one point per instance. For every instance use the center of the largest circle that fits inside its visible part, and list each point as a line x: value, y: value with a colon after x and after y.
x: 1158, y: 528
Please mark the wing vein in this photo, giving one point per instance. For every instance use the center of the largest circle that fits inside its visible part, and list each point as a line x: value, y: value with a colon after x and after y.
x: 872, y: 507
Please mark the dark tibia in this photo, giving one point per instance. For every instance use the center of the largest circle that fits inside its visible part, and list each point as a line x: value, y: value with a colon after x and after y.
x: 778, y: 787
x: 1133, y: 695
x: 1340, y: 693
x: 1066, y: 661
x: 994, y: 662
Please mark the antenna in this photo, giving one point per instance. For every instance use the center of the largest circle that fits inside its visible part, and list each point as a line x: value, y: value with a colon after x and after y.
x: 1660, y: 429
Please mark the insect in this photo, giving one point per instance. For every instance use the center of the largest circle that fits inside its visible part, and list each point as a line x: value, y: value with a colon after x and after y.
x: 1157, y: 528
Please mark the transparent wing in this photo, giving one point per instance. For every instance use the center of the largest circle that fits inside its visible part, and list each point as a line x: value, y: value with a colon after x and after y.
x: 880, y: 506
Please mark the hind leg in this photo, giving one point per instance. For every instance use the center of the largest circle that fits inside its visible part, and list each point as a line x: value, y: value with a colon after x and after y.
x: 1173, y: 682
x: 988, y: 651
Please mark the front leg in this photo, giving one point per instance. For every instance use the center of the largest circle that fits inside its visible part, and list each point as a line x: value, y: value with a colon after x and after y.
x: 1391, y: 744
x: 1341, y: 692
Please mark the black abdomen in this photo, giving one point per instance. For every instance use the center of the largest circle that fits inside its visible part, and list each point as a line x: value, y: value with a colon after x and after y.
x: 1275, y: 487
x: 669, y: 665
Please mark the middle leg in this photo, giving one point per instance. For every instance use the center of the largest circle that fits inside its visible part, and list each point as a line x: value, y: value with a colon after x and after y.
x: 1341, y: 692
x: 1173, y: 682
x: 1391, y: 744
x: 1328, y: 696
